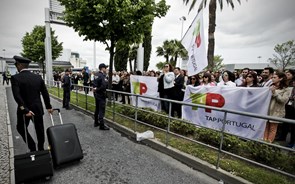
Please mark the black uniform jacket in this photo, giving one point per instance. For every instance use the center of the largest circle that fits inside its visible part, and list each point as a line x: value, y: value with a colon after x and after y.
x: 26, y: 89
x: 100, y: 83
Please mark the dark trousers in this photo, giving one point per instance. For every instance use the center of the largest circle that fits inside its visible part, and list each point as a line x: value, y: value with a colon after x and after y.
x: 66, y: 98
x: 100, y: 106
x: 39, y: 128
x: 86, y: 88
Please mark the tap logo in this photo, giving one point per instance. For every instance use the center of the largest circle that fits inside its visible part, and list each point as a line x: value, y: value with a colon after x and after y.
x: 210, y: 99
x: 139, y: 88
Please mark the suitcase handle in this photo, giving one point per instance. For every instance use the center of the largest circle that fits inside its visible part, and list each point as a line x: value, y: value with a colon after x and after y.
x: 61, y: 122
x: 56, y: 109
x: 26, y: 133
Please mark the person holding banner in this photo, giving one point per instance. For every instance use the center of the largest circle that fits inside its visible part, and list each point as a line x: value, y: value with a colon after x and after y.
x: 166, y: 84
x: 280, y: 96
x: 228, y: 79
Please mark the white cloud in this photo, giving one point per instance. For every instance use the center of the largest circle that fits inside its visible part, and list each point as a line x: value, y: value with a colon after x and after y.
x: 252, y: 29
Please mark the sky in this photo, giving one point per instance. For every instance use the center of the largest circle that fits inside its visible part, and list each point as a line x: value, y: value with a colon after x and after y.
x: 246, y: 34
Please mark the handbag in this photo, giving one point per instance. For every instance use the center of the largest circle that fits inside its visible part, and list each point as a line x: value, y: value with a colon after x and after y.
x: 291, y: 103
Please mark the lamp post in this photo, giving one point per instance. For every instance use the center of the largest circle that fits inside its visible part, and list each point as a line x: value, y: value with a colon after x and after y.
x: 259, y: 57
x: 182, y: 19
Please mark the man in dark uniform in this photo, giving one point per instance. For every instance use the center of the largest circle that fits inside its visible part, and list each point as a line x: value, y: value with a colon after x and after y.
x: 86, y: 80
x: 99, y: 88
x: 26, y: 88
x: 67, y: 90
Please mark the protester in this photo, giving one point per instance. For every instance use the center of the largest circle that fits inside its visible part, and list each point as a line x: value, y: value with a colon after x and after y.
x: 290, y: 114
x: 251, y: 80
x: 26, y: 89
x: 280, y: 96
x: 207, y: 80
x: 99, y: 89
x: 228, y: 79
x: 177, y: 92
x: 267, y: 74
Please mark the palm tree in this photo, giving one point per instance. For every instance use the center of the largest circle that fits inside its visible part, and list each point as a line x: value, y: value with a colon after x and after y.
x: 178, y: 50
x: 166, y: 50
x: 212, y: 24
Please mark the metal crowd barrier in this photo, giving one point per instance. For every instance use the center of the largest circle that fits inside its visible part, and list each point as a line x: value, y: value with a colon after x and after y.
x: 168, y: 132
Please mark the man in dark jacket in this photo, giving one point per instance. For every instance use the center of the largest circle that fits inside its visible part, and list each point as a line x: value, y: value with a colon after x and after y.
x: 26, y: 89
x: 99, y: 88
x: 67, y: 90
x: 86, y: 80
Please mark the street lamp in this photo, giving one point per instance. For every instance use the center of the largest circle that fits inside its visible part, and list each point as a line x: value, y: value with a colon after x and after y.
x: 182, y: 19
x: 3, y: 53
x: 259, y: 57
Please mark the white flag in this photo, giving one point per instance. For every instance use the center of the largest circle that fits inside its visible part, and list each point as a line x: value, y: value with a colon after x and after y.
x: 194, y: 43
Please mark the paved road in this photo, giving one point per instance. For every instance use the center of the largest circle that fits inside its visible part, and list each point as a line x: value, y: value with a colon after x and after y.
x: 110, y: 157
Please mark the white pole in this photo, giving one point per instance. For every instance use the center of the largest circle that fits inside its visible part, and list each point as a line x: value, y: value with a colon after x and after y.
x: 94, y: 55
x: 140, y: 55
x: 48, y: 49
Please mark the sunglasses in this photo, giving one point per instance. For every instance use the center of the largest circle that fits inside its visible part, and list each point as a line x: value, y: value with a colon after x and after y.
x: 249, y: 76
x: 167, y: 66
x: 205, y: 77
x: 193, y: 78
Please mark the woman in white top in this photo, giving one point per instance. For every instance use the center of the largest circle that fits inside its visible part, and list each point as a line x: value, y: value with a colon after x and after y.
x: 168, y: 84
x: 227, y: 79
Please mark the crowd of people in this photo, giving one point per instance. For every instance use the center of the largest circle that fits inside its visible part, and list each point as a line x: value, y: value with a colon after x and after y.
x: 172, y: 82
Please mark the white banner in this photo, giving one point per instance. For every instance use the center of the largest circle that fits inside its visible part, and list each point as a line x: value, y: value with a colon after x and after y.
x: 194, y: 43
x: 145, y: 86
x: 253, y: 100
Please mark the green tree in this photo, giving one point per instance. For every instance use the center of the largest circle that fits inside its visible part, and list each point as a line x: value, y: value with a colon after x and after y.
x: 133, y: 57
x: 34, y: 46
x: 171, y: 50
x: 166, y: 50
x: 178, y: 51
x: 121, y: 57
x: 111, y: 21
x: 160, y: 65
x: 212, y: 24
x: 285, y: 55
x: 218, y: 65
x: 147, y: 45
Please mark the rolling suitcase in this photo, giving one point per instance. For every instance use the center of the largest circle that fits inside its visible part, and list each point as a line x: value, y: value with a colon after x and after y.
x: 64, y: 142
x: 32, y: 165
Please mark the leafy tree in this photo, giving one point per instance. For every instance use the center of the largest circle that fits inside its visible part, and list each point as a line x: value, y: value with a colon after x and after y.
x: 111, y: 21
x: 285, y: 55
x: 212, y: 23
x: 171, y: 50
x: 121, y: 57
x: 218, y: 65
x: 165, y: 50
x: 34, y: 46
x: 160, y: 65
x: 178, y: 50
x: 147, y: 44
x: 133, y: 57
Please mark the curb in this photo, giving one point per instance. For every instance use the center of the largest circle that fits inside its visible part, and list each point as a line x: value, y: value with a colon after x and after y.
x: 193, y: 162
x: 10, y: 143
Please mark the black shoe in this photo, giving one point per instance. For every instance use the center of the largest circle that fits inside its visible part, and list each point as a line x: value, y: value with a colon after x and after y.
x: 104, y: 127
x: 96, y: 124
x: 68, y: 108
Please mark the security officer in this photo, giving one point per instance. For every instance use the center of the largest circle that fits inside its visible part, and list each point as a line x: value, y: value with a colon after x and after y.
x: 26, y: 88
x: 67, y: 90
x: 99, y: 87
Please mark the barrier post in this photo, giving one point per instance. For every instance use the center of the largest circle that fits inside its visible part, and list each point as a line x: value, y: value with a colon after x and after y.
x: 221, y: 141
x: 168, y: 126
x: 136, y: 110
